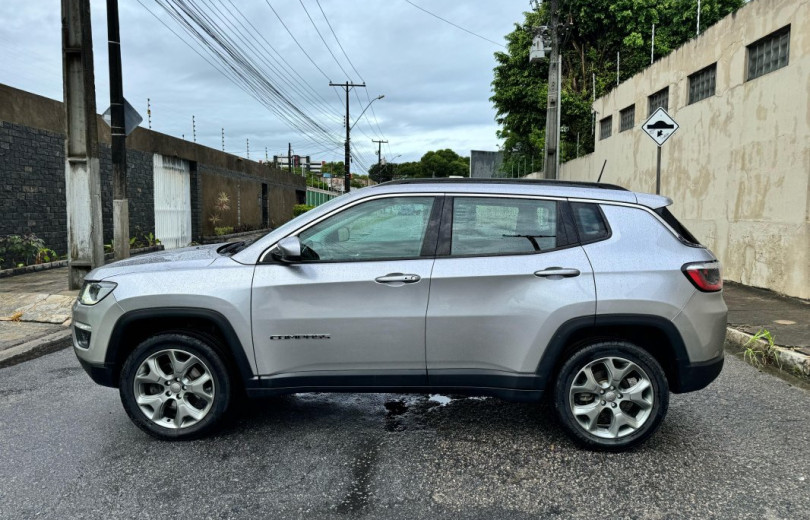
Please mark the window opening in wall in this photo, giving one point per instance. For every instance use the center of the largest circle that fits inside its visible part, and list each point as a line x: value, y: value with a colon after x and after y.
x: 769, y: 53
x: 702, y: 83
x: 659, y: 99
x: 627, y: 118
x: 605, y: 127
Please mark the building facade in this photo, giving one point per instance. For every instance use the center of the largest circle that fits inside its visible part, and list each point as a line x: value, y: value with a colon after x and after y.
x: 738, y: 168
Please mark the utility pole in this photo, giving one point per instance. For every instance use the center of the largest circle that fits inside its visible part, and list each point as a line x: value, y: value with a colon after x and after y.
x: 193, y: 129
x: 118, y: 137
x: 289, y: 157
x: 379, y: 150
x: 82, y: 174
x: 552, y: 130
x: 149, y: 112
x: 347, y: 168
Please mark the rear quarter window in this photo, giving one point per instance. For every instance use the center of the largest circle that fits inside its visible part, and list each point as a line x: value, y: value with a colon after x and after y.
x: 590, y: 222
x: 683, y: 234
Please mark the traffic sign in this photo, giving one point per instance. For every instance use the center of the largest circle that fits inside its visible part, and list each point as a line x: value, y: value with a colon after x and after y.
x: 131, y: 118
x: 659, y: 126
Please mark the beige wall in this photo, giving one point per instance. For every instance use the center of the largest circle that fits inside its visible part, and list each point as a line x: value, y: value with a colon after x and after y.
x: 738, y: 169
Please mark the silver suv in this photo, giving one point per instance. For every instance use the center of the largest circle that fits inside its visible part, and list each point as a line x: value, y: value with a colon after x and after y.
x: 508, y: 289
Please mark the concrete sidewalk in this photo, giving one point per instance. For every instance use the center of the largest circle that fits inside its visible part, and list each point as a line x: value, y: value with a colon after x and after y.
x: 35, y: 318
x: 34, y: 314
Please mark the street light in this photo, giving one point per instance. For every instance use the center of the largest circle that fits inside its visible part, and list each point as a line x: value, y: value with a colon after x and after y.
x: 347, y: 167
x: 364, y: 110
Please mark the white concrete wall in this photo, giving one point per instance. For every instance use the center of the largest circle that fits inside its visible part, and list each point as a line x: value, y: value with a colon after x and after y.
x: 738, y: 169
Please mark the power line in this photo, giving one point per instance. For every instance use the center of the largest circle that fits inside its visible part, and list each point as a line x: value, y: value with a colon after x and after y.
x: 454, y: 25
x: 318, y: 32
x: 241, y: 68
x: 338, y: 41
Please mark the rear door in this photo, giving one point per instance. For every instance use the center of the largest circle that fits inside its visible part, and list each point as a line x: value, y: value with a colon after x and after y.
x: 508, y: 273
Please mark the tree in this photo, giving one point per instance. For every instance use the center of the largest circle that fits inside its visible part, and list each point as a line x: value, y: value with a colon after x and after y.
x: 595, y: 31
x: 444, y: 163
x: 439, y: 163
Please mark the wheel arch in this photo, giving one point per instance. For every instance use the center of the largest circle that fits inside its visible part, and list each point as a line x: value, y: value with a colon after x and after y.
x: 135, y: 326
x: 654, y: 334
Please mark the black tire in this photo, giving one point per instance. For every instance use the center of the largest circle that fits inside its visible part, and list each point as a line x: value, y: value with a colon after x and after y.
x: 203, y: 401
x: 613, y: 419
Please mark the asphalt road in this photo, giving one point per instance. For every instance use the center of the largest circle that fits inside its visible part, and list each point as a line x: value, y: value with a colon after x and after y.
x: 739, y: 449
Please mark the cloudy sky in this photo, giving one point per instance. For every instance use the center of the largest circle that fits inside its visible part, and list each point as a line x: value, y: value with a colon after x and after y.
x: 435, y: 77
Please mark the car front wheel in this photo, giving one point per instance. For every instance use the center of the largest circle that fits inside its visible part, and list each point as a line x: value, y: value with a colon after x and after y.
x: 175, y: 386
x: 611, y: 395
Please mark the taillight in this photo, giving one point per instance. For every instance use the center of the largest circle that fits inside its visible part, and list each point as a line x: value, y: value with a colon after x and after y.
x: 706, y: 276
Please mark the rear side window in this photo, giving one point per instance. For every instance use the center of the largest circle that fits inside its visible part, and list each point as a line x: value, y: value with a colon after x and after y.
x: 683, y: 234
x: 503, y: 226
x: 590, y: 222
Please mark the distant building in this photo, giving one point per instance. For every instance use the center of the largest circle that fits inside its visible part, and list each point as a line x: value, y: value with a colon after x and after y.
x: 485, y: 165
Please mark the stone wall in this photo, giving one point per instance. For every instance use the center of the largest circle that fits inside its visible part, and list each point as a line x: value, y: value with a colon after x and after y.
x: 32, y: 176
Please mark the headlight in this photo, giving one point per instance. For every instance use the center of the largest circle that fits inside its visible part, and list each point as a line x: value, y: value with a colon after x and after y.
x: 94, y: 292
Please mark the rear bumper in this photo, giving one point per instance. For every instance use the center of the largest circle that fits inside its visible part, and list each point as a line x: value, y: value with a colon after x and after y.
x: 696, y: 376
x: 103, y: 374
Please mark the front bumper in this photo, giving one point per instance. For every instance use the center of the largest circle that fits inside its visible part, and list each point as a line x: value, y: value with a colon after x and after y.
x: 103, y: 374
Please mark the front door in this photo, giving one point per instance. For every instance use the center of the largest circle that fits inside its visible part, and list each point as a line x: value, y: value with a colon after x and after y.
x: 354, y: 307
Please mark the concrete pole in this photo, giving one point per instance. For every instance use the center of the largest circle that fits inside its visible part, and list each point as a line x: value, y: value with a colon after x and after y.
x: 118, y: 137
x: 552, y: 135
x: 82, y: 174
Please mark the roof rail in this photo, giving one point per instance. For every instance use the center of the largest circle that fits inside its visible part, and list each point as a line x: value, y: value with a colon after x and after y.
x: 540, y: 182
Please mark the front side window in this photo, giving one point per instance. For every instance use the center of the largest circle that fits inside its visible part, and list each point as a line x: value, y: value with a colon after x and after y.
x: 376, y: 230
x: 487, y: 226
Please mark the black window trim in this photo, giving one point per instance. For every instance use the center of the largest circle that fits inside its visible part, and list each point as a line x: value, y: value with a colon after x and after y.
x: 565, y: 228
x: 601, y: 214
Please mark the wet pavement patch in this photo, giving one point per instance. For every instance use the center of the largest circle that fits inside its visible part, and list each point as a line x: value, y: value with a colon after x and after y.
x: 363, y: 464
x: 393, y: 418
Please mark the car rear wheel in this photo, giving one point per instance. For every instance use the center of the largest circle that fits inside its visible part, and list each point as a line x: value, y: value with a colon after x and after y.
x: 175, y: 386
x: 611, y: 395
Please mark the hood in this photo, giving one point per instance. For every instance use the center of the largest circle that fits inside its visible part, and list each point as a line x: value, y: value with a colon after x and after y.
x: 186, y: 258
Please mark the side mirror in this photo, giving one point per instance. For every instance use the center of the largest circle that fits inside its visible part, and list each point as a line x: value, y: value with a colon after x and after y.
x: 343, y: 234
x: 288, y: 250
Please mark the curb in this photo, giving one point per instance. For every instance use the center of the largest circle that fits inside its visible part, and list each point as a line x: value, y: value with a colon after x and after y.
x: 36, y: 348
x: 787, y: 359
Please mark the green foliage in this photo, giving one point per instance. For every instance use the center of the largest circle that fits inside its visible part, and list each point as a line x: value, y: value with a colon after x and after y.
x: 300, y: 209
x: 21, y: 250
x: 757, y: 354
x: 141, y: 239
x: 598, y: 30
x: 224, y: 230
x: 439, y: 163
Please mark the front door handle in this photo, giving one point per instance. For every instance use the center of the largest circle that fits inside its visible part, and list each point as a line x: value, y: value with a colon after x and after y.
x: 561, y: 272
x: 398, y: 278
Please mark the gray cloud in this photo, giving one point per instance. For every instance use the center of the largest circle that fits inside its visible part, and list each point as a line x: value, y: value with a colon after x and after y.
x: 436, y: 78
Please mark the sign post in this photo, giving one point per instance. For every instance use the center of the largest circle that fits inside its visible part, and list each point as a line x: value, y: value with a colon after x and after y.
x: 659, y: 126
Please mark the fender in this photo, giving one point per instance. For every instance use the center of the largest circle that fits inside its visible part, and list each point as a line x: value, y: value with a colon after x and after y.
x: 569, y: 331
x: 232, y: 343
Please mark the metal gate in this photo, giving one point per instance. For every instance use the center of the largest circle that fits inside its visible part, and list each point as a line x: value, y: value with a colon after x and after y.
x: 172, y: 201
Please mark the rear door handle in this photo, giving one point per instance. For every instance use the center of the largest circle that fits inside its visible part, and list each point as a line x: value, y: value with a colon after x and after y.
x: 398, y: 278
x: 561, y: 272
